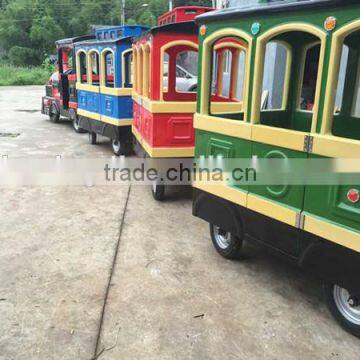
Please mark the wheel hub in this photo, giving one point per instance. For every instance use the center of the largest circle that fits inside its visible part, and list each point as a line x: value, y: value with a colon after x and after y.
x: 347, y: 304
x: 222, y: 237
x: 353, y: 302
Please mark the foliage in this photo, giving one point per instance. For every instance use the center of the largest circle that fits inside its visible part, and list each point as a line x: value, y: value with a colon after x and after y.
x: 29, y: 28
x: 12, y: 75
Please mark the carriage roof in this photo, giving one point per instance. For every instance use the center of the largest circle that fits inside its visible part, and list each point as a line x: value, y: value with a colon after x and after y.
x: 272, y: 8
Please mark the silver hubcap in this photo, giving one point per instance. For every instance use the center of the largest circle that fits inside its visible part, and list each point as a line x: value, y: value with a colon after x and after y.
x: 116, y: 145
x: 222, y: 238
x: 345, y: 304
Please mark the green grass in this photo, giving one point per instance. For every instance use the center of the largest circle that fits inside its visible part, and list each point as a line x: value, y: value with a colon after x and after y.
x: 12, y: 75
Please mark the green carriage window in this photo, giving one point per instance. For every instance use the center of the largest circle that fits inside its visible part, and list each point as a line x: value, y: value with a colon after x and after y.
x: 346, y: 121
x: 228, y: 78
x: 275, y: 70
x: 289, y: 79
x: 309, y: 77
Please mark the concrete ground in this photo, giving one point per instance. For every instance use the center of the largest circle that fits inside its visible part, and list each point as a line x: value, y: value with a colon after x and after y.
x: 167, y: 295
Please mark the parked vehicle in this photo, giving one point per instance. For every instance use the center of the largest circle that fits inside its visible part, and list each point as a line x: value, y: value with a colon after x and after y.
x: 164, y: 90
x: 104, y: 85
x: 61, y: 99
x: 301, y: 109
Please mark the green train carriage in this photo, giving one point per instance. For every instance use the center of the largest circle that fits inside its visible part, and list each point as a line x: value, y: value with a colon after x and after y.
x: 297, y: 85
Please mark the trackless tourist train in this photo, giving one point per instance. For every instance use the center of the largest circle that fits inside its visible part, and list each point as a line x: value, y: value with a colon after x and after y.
x: 61, y: 96
x: 312, y: 49
x: 165, y: 85
x: 104, y: 83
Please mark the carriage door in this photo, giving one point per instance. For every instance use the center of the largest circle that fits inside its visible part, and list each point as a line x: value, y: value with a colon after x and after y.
x: 333, y: 211
x: 65, y: 67
x: 283, y: 113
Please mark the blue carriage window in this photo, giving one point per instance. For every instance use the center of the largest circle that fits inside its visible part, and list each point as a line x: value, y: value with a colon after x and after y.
x: 128, y: 69
x: 95, y: 68
x: 83, y: 67
x: 109, y: 67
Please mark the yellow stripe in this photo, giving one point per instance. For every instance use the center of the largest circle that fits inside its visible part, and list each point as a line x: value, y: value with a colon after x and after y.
x: 339, y: 235
x: 115, y: 91
x: 165, y: 107
x: 272, y: 209
x: 163, y: 152
x: 226, y: 192
x: 336, y: 147
x: 86, y: 87
x: 88, y: 114
x: 289, y: 139
x: 117, y: 122
x: 235, y: 128
x: 227, y: 107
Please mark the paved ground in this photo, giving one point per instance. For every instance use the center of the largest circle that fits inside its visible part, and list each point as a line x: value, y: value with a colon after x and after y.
x: 170, y: 296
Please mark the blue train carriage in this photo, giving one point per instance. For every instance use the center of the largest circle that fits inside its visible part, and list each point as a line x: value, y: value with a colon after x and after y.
x: 104, y: 85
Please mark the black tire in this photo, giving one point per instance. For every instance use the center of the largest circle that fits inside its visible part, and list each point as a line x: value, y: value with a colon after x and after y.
x: 92, y: 138
x: 119, y: 148
x: 330, y: 292
x: 54, y: 115
x: 230, y: 246
x: 158, y: 191
x: 75, y: 123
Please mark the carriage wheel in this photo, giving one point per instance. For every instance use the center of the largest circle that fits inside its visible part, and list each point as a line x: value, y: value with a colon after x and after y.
x: 226, y: 244
x: 92, y: 138
x: 119, y: 148
x: 54, y: 116
x: 76, y: 124
x: 344, y: 306
x: 158, y: 191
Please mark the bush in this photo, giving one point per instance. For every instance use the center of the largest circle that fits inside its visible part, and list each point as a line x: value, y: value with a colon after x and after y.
x: 12, y: 75
x: 19, y: 56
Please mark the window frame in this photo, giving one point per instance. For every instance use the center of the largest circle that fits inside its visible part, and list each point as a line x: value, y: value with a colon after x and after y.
x: 103, y: 66
x: 128, y: 52
x: 78, y: 66
x: 90, y: 67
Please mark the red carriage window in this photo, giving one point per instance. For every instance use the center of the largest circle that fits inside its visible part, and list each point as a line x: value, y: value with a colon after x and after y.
x: 228, y: 77
x: 179, y: 75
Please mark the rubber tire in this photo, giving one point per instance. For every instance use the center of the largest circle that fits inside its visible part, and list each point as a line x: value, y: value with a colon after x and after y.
x: 233, y: 251
x: 344, y: 323
x: 54, y: 116
x: 159, y: 193
x: 92, y: 138
x: 125, y: 149
x: 77, y: 129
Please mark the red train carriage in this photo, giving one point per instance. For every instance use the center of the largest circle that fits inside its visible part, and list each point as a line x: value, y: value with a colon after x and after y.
x: 165, y: 84
x: 60, y: 96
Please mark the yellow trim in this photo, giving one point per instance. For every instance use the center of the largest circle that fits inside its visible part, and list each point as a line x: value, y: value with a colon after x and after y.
x: 229, y: 193
x: 87, y: 87
x: 272, y: 209
x: 206, y: 66
x: 227, y: 107
x: 334, y: 233
x: 103, y: 67
x: 338, y: 38
x: 146, y: 70
x: 78, y: 64
x: 117, y: 122
x: 163, y: 152
x: 139, y: 69
x: 285, y: 138
x: 336, y: 147
x: 162, y: 53
x: 229, y: 44
x: 178, y: 107
x: 234, y: 128
x: 260, y: 58
x: 89, y: 114
x: 115, y: 91
x: 123, y: 68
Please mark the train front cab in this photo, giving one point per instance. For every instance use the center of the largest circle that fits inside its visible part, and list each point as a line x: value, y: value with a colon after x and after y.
x: 316, y: 115
x: 104, y: 85
x: 60, y: 99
